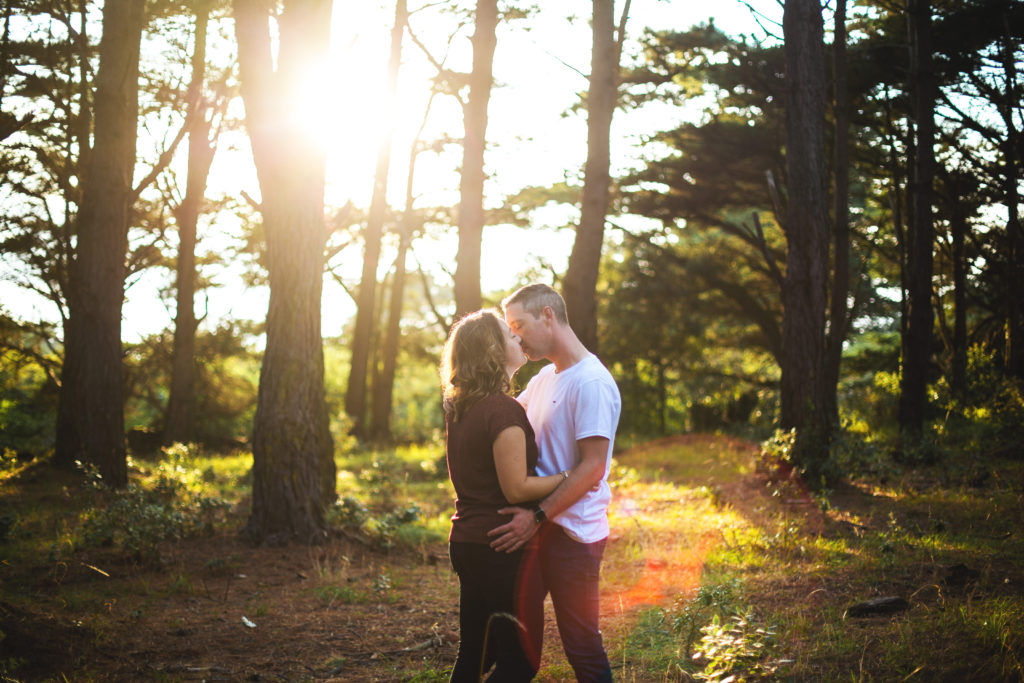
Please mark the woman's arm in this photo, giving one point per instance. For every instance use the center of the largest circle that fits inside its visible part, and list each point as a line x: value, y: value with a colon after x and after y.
x: 510, y: 463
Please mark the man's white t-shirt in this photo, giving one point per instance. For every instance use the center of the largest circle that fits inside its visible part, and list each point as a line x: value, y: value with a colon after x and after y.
x: 564, y: 407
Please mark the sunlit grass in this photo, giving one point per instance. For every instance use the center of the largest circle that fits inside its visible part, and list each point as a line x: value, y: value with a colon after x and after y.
x: 799, y: 581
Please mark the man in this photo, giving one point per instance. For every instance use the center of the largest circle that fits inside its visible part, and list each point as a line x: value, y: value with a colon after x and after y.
x: 573, y: 405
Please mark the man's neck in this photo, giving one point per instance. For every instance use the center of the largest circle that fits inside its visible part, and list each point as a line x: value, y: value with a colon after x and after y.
x: 568, y: 353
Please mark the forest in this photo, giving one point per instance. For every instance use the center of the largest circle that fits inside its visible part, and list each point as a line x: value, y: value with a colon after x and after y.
x: 234, y: 237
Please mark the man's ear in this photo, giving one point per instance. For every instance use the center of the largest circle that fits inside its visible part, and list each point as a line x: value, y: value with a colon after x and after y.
x: 548, y: 314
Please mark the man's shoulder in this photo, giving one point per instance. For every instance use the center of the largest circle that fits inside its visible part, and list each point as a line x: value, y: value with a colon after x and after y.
x: 595, y: 370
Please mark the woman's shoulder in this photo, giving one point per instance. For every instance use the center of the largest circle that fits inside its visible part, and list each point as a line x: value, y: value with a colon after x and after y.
x: 496, y: 405
x: 499, y: 401
x: 492, y: 402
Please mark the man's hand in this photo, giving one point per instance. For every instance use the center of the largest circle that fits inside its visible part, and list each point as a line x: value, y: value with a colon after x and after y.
x: 512, y: 535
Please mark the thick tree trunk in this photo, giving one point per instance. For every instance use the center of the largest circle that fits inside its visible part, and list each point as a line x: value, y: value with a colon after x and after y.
x: 585, y: 260
x: 471, y: 186
x: 355, y: 394
x: 180, y: 423
x: 90, y: 414
x: 293, y: 466
x: 1011, y: 184
x: 804, y: 406
x: 838, y: 310
x: 918, y: 336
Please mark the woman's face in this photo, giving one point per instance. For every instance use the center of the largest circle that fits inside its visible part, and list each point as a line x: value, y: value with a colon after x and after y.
x: 514, y: 356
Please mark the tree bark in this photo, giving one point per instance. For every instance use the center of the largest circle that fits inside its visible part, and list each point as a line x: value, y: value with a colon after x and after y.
x: 803, y: 293
x: 957, y: 189
x: 916, y: 347
x: 471, y: 186
x: 90, y: 413
x: 179, y: 425
x: 293, y: 465
x: 384, y: 385
x: 838, y: 309
x: 355, y: 394
x: 580, y: 280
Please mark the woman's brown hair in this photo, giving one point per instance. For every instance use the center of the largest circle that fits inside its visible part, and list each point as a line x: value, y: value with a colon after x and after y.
x: 473, y: 362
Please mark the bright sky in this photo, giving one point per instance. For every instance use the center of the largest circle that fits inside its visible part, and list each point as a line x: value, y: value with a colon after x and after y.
x: 532, y: 139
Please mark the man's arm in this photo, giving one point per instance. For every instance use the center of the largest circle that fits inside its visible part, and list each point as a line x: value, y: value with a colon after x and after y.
x: 584, y: 476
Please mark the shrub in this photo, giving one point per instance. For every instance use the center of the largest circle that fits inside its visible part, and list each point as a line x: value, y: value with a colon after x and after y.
x: 735, y: 649
x: 138, y: 518
x: 690, y: 615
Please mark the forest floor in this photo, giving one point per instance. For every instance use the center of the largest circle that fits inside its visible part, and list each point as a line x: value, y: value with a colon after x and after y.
x: 713, y: 566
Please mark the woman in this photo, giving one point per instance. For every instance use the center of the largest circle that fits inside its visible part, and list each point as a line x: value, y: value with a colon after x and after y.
x: 491, y: 457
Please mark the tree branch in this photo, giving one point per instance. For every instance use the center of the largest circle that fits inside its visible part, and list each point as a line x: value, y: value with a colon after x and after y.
x: 441, y: 320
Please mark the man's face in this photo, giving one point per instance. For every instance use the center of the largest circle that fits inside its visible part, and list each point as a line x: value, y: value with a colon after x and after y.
x: 532, y: 332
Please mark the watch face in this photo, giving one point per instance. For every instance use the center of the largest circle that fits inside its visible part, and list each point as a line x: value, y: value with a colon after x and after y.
x: 539, y: 516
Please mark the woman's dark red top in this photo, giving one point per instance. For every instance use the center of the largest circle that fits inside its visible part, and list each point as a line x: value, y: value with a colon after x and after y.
x: 470, y: 454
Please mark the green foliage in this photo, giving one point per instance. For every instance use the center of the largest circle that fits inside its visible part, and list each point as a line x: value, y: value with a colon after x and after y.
x: 381, y: 530
x: 28, y: 389
x: 687, y: 372
x: 348, y: 512
x: 857, y: 456
x: 416, y: 415
x: 989, y: 419
x: 677, y: 639
x: 735, y: 650
x: 140, y: 517
x: 689, y: 615
x: 869, y: 390
x: 226, y: 382
x: 781, y: 454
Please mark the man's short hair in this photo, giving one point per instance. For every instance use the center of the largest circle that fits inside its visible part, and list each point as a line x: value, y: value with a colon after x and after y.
x: 534, y: 298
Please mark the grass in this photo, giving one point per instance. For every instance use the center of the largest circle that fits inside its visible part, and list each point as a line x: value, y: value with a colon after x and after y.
x: 712, y: 570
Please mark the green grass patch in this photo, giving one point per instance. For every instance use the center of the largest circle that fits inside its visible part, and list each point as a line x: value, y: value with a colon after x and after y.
x: 791, y: 568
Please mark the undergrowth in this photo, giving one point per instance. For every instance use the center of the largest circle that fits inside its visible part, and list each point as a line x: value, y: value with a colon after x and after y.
x: 711, y: 573
x: 166, y: 502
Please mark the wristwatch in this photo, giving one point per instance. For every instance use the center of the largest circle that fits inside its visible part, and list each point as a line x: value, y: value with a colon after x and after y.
x: 539, y: 516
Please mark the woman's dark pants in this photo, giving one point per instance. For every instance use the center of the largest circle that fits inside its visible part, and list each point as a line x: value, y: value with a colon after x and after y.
x: 487, y: 584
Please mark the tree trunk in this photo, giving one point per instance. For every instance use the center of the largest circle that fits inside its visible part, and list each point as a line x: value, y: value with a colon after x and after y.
x: 958, y: 227
x: 918, y: 337
x: 90, y: 414
x: 180, y: 423
x: 580, y: 280
x: 1011, y: 184
x: 838, y: 310
x: 293, y: 465
x: 384, y: 386
x: 355, y: 394
x: 471, y: 186
x: 804, y: 299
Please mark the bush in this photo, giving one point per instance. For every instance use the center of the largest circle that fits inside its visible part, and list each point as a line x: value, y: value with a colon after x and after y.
x: 138, y: 518
x: 989, y: 418
x: 735, y: 649
x: 690, y: 615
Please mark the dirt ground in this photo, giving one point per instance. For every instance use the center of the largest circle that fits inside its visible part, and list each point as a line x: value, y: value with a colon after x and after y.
x: 217, y: 609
